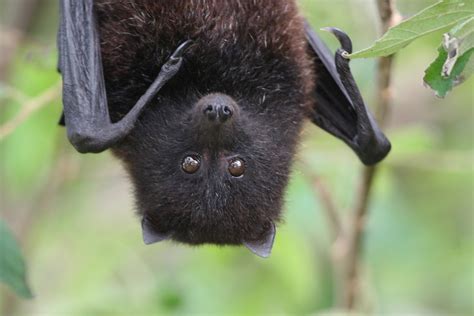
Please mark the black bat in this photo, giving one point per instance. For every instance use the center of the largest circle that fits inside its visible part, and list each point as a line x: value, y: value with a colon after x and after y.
x: 203, y: 101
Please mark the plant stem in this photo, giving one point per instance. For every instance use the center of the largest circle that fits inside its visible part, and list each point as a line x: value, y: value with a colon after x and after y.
x: 389, y: 17
x: 330, y: 207
x: 30, y: 107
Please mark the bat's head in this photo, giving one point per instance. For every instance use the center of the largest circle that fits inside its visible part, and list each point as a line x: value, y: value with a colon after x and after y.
x: 213, y: 171
x: 211, y: 155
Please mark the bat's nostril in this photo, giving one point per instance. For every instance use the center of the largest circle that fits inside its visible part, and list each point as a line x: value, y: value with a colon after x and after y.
x: 225, y: 112
x: 208, y: 109
x: 210, y: 112
x: 218, y: 111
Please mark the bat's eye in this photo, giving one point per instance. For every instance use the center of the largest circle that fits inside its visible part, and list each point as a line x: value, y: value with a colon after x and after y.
x: 236, y: 167
x: 191, y: 164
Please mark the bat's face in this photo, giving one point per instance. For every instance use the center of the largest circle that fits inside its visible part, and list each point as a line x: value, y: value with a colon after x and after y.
x: 213, y: 171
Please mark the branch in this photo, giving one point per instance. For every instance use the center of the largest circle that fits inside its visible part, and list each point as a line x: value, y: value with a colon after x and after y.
x: 29, y: 108
x: 9, y: 92
x: 389, y: 17
x: 329, y: 206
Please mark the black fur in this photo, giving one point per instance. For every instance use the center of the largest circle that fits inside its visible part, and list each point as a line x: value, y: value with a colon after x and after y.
x: 252, y: 51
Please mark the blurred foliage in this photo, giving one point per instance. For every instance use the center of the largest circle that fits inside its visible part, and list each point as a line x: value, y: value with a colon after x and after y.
x: 12, y: 265
x: 73, y: 214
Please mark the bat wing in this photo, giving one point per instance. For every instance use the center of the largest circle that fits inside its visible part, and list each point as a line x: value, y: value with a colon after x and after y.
x: 340, y: 109
x: 86, y: 113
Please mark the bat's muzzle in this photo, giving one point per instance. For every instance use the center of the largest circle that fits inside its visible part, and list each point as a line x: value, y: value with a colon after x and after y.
x: 216, y: 109
x: 218, y: 112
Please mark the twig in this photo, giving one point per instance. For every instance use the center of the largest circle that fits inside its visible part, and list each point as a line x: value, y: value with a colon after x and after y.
x: 8, y: 92
x: 389, y: 16
x: 338, y: 251
x: 329, y: 206
x: 355, y: 237
x: 29, y: 108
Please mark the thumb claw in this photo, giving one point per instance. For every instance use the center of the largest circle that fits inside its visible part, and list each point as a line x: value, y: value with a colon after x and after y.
x: 344, y: 39
x: 178, y: 53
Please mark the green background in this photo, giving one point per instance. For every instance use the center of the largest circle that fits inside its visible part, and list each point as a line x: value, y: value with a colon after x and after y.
x: 74, y: 215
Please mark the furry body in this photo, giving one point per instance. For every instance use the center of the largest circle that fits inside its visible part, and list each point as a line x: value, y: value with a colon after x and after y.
x: 251, y: 50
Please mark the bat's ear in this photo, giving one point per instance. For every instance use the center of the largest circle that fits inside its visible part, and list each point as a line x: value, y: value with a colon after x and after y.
x: 150, y: 236
x: 340, y: 109
x: 262, y: 247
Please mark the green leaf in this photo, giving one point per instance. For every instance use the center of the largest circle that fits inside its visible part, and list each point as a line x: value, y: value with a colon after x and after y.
x: 456, y: 43
x: 463, y: 34
x: 442, y: 85
x: 469, y: 69
x: 454, y: 64
x: 12, y: 265
x: 439, y: 16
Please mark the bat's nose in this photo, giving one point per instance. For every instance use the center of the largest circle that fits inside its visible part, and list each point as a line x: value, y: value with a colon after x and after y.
x: 217, y: 108
x: 218, y: 112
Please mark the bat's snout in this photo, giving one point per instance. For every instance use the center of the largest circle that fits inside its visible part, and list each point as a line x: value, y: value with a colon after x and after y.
x: 216, y: 109
x: 218, y: 112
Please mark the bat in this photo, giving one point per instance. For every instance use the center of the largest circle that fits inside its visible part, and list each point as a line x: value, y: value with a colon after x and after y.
x: 203, y: 102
